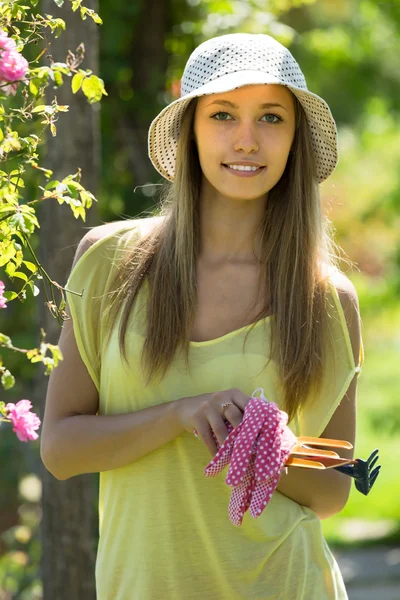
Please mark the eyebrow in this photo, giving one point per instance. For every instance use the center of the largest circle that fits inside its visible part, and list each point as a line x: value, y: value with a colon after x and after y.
x: 265, y: 105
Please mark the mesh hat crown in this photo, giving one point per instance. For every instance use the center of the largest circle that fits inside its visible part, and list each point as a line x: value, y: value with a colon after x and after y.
x: 228, y: 62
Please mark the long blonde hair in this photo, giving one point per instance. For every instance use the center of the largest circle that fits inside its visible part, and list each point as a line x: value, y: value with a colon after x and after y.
x: 296, y: 247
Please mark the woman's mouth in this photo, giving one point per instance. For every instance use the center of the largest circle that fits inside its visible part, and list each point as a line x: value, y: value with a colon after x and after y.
x: 244, y: 172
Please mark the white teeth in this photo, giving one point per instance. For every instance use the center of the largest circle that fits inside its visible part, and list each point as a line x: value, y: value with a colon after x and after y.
x: 242, y: 168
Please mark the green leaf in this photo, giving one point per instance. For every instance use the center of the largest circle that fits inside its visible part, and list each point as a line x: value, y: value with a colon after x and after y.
x: 98, y: 20
x: 33, y: 88
x: 18, y: 181
x: 11, y: 142
x: 7, y: 251
x: 30, y: 217
x: 58, y: 79
x: 72, y: 188
x: 62, y: 67
x: 87, y: 198
x: 93, y: 88
x: 10, y: 269
x: 51, y: 184
x: 20, y: 275
x: 37, y: 358
x: 77, y: 81
x: 40, y: 108
x: 23, y: 221
x: 7, y: 380
x: 4, y: 339
x: 59, y: 2
x: 31, y: 266
x: 10, y: 296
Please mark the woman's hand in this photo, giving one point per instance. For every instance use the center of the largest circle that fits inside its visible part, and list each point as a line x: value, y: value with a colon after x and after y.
x: 205, y: 414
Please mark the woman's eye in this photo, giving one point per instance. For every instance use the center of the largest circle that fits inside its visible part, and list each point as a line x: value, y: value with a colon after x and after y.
x: 266, y: 115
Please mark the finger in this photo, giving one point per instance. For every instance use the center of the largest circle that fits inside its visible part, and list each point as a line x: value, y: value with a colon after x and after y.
x: 218, y: 426
x: 205, y: 434
x: 221, y: 422
x: 234, y: 415
x: 239, y: 399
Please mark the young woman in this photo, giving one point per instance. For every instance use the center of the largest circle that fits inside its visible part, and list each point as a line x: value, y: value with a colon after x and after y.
x: 234, y: 285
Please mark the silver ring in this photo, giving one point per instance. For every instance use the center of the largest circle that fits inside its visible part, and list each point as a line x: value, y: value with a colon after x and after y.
x: 226, y: 405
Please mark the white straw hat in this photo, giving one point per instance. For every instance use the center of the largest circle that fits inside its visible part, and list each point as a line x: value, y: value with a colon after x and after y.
x: 231, y: 61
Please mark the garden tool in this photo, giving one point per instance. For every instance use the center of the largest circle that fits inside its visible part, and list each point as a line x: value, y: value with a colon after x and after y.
x: 262, y: 445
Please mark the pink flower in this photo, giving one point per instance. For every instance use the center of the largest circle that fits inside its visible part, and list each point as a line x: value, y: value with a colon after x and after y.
x: 24, y: 422
x: 6, y: 43
x: 2, y: 299
x: 13, y: 66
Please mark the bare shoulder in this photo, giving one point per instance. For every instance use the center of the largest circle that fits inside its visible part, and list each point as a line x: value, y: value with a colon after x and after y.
x: 348, y: 297
x: 345, y: 289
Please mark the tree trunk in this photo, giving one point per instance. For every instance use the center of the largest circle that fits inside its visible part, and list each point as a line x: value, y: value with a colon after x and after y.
x: 69, y: 515
x: 149, y: 62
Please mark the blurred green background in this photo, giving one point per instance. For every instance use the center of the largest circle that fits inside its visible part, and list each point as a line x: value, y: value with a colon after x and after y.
x: 349, y: 53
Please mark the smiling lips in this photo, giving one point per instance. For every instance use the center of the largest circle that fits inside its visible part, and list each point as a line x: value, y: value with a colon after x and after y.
x: 242, y: 168
x: 244, y: 163
x: 244, y: 171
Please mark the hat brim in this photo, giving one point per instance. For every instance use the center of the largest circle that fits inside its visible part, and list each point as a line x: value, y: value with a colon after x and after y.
x: 164, y: 129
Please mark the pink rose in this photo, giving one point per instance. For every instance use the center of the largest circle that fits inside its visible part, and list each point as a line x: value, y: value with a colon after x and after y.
x: 24, y: 422
x: 13, y: 66
x: 6, y: 43
x: 2, y: 299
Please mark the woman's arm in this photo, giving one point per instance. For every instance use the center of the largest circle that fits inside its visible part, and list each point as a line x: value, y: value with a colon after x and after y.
x: 92, y: 443
x: 326, y: 492
x: 74, y: 439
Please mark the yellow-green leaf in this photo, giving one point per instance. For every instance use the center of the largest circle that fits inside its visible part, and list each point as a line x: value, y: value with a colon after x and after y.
x: 33, y: 88
x: 39, y: 109
x: 77, y: 81
x: 20, y: 275
x: 93, y: 88
x: 7, y: 380
x: 58, y: 78
x: 31, y: 266
x: 5, y: 340
x: 10, y: 269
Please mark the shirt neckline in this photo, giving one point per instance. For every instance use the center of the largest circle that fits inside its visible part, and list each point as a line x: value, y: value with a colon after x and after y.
x: 226, y: 336
x: 230, y: 334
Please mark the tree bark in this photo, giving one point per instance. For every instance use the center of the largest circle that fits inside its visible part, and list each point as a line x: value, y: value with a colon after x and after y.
x: 149, y: 61
x: 69, y: 515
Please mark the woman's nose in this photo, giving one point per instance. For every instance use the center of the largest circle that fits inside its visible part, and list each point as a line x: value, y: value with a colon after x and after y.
x: 246, y: 138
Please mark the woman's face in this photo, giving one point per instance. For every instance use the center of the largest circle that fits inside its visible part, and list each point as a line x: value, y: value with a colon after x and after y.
x: 246, y: 132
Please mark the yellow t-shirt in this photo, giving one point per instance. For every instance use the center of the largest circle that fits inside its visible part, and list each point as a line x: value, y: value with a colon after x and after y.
x: 165, y: 532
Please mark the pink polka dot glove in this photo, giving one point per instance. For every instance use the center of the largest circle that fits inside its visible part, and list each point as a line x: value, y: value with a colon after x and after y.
x: 257, y: 450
